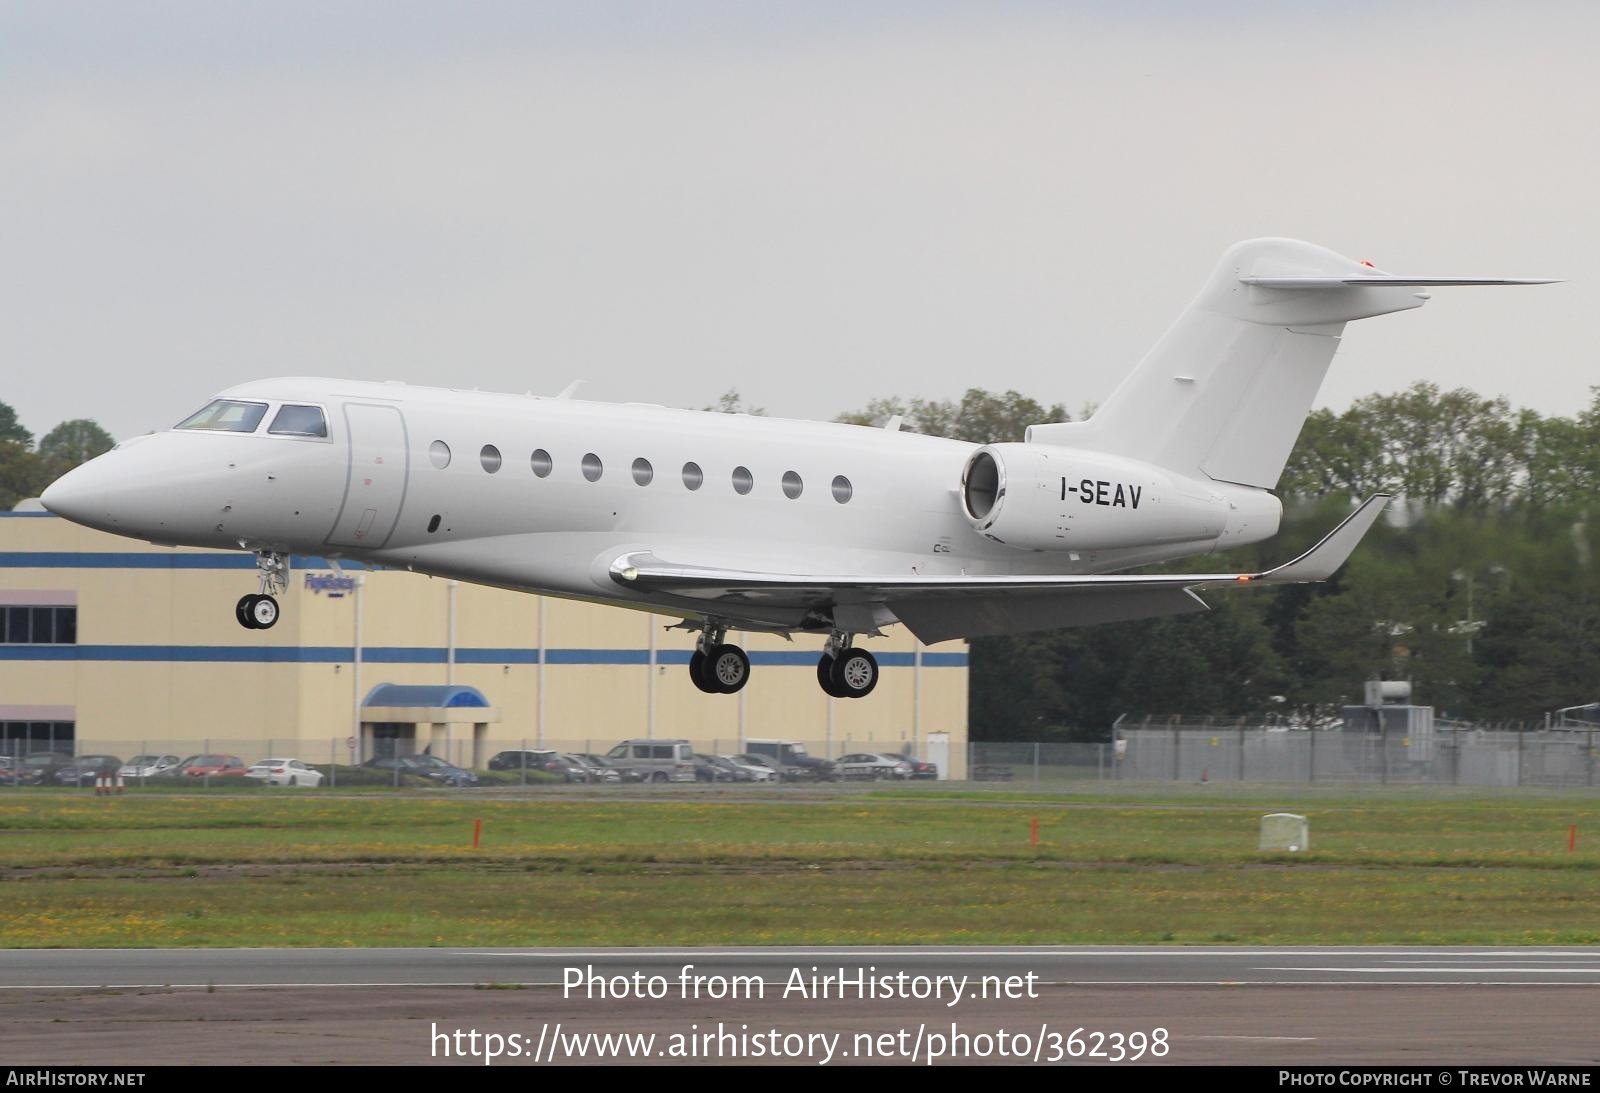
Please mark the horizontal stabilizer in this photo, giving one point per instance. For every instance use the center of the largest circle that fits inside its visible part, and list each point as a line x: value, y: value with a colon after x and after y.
x: 1383, y: 280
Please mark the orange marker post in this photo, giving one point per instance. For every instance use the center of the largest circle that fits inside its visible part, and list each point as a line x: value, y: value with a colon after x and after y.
x: 1034, y: 836
x: 1572, y: 838
x: 477, y: 832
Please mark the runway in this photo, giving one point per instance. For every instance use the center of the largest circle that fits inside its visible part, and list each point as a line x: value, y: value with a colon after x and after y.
x: 832, y: 1006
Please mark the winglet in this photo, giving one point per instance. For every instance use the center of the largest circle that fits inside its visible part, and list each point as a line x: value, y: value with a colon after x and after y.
x: 1323, y: 560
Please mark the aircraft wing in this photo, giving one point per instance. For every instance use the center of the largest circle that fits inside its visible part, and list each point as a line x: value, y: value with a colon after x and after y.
x: 940, y: 607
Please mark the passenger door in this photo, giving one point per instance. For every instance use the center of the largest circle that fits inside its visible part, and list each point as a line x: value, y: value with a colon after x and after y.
x: 375, y: 488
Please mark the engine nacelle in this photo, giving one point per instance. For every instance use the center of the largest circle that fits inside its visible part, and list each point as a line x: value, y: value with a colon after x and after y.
x: 1044, y: 497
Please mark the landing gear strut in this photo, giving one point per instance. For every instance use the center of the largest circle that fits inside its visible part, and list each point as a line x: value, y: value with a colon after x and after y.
x: 260, y: 612
x: 715, y: 666
x: 845, y: 671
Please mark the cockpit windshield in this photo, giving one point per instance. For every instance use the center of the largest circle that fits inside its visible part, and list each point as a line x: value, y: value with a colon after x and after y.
x: 226, y: 416
x: 294, y: 420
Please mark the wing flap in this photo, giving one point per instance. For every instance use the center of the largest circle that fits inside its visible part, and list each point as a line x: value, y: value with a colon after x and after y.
x: 1380, y: 280
x: 975, y: 605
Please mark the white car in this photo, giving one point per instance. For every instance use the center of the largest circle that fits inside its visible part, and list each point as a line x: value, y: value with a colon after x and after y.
x: 758, y: 773
x: 870, y: 765
x: 149, y: 766
x: 286, y: 772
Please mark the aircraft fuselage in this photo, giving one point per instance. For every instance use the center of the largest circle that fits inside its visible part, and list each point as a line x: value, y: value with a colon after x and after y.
x: 542, y: 494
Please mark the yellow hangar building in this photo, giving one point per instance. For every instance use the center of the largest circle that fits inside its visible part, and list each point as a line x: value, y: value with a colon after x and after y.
x: 108, y: 645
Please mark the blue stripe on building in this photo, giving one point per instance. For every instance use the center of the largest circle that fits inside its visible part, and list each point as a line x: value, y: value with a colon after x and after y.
x: 111, y: 559
x: 341, y: 654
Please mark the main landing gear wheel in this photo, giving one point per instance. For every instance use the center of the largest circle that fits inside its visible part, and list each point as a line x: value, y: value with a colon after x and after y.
x: 727, y: 668
x: 697, y: 673
x: 825, y: 677
x: 256, y: 612
x: 852, y: 674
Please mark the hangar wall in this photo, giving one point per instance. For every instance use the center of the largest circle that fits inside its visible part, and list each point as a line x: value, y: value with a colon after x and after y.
x: 157, y: 661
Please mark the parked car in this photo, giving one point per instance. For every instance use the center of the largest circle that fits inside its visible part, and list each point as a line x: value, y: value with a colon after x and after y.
x: 871, y: 765
x: 761, y: 768
x: 83, y: 770
x: 714, y: 768
x: 285, y: 772
x: 597, y: 770
x: 656, y: 760
x: 623, y: 774
x: 920, y: 768
x: 521, y: 760
x: 211, y: 766
x: 569, y: 768
x: 41, y: 769
x: 793, y: 760
x: 431, y: 767
x: 149, y: 766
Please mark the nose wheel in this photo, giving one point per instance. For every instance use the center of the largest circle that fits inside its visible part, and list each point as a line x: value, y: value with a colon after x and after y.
x: 260, y: 612
x: 256, y: 612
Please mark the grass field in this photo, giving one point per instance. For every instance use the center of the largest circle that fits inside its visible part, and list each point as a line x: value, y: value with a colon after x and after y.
x: 921, y: 865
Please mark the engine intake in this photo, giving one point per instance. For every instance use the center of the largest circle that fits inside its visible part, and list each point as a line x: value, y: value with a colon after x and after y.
x: 1044, y: 497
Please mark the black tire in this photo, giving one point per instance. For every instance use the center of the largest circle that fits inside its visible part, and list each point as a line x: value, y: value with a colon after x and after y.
x: 659, y: 776
x: 825, y: 676
x: 728, y: 669
x: 697, y: 673
x: 854, y: 673
x: 241, y: 611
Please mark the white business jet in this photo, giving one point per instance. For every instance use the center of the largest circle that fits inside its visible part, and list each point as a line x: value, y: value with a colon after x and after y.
x: 739, y: 522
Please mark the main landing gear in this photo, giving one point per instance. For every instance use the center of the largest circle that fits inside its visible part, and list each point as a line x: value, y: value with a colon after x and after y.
x: 260, y: 612
x: 715, y: 666
x: 845, y: 671
x: 719, y: 668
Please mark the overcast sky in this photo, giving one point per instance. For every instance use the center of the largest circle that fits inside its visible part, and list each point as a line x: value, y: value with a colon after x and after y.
x: 816, y: 203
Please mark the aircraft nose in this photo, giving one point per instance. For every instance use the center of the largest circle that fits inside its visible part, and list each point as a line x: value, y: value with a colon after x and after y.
x: 81, y: 495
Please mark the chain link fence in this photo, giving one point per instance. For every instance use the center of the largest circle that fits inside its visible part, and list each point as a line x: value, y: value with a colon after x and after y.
x: 1564, y: 755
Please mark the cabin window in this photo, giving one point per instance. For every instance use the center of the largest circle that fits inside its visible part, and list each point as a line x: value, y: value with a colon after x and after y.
x: 592, y: 467
x: 792, y: 485
x: 643, y: 472
x: 743, y: 480
x: 226, y: 416
x: 439, y: 454
x: 693, y: 477
x: 842, y: 490
x: 489, y: 458
x: 433, y: 525
x: 541, y: 463
x: 292, y: 420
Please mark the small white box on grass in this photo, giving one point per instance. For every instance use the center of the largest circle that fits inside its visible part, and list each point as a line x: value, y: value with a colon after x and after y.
x: 1285, y: 831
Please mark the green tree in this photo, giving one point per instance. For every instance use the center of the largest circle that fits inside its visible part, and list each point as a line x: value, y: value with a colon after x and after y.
x: 22, y: 474
x: 732, y: 402
x: 980, y: 417
x: 11, y: 430
x: 73, y: 442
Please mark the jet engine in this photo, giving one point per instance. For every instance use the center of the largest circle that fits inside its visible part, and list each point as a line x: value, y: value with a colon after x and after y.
x: 1044, y: 497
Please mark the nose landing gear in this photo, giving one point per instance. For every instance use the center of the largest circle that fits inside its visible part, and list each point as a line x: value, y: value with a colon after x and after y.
x: 260, y: 612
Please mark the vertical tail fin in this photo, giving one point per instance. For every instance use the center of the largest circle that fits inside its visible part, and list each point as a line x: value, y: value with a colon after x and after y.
x: 1224, y: 393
